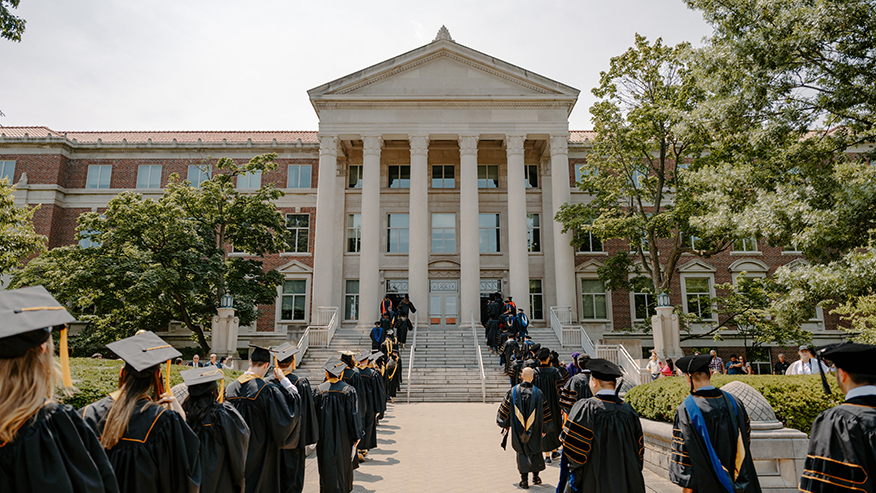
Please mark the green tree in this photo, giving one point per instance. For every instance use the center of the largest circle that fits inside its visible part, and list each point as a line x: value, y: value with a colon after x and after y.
x: 18, y: 239
x: 154, y: 261
x: 11, y: 27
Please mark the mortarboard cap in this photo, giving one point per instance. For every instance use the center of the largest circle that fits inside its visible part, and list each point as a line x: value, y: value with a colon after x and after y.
x: 142, y: 352
x: 376, y: 356
x: 335, y: 367
x: 543, y: 354
x: 260, y: 354
x: 200, y: 380
x: 602, y: 369
x: 28, y: 315
x: 347, y: 353
x: 851, y: 357
x: 363, y: 355
x: 285, y: 352
x: 694, y: 363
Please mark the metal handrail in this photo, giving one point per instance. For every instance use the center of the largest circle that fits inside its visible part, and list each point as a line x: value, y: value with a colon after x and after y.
x: 302, y: 346
x: 626, y: 361
x: 474, y: 334
x: 327, y: 324
x: 556, y: 324
x: 411, y: 358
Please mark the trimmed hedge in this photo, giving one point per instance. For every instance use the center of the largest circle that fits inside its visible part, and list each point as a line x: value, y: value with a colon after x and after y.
x: 796, y: 399
x: 93, y: 379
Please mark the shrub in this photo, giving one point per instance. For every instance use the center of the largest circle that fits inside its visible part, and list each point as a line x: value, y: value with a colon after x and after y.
x: 797, y: 400
x: 93, y: 379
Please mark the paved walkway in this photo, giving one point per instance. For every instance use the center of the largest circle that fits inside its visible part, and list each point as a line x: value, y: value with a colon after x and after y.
x: 446, y: 446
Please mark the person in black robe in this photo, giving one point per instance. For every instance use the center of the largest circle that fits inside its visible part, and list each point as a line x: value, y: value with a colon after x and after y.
x: 724, y: 418
x: 143, y: 430
x: 378, y: 335
x: 340, y: 430
x: 402, y: 326
x: 602, y: 439
x: 292, y: 459
x: 576, y: 387
x: 369, y: 393
x: 223, y: 433
x: 509, y: 349
x: 549, y: 381
x: 393, y: 375
x: 272, y: 424
x: 842, y: 447
x: 46, y: 446
x: 526, y: 416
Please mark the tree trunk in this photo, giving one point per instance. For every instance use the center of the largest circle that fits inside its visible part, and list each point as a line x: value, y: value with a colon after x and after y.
x: 202, y: 339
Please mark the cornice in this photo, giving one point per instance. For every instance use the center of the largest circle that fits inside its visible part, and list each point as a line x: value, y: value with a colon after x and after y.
x: 432, y: 103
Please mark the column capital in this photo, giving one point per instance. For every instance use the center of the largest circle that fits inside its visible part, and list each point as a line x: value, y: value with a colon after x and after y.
x: 559, y: 144
x: 371, y: 145
x: 514, y: 144
x: 328, y: 145
x: 419, y: 145
x: 468, y: 145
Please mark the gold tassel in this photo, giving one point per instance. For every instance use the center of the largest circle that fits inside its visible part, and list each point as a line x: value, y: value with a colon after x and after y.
x: 167, y: 379
x: 65, y: 359
x: 222, y: 389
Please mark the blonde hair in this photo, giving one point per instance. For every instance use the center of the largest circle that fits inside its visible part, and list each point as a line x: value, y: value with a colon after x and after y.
x: 26, y: 383
x: 131, y: 389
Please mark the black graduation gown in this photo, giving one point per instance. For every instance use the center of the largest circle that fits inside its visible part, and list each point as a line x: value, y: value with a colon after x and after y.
x: 393, y: 375
x: 603, y: 443
x: 292, y: 460
x: 842, y: 448
x: 529, y: 399
x: 509, y: 349
x: 549, y: 380
x: 575, y: 389
x: 55, y: 451
x: 337, y: 411
x: 272, y: 426
x: 373, y: 385
x: 690, y: 466
x: 224, y: 437
x: 157, y: 453
x: 378, y: 336
x: 493, y: 334
x: 401, y: 328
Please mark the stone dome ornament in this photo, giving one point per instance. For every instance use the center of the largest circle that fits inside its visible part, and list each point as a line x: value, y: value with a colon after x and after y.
x: 443, y: 34
x: 760, y: 412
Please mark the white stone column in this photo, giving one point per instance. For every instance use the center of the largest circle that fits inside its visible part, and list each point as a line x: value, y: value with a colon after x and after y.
x: 369, y: 253
x: 518, y: 251
x: 564, y: 254
x: 323, y: 263
x: 469, y: 247
x: 418, y: 254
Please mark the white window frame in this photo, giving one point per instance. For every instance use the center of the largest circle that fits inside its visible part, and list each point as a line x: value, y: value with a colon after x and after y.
x: 354, y: 232
x: 202, y: 172
x: 590, y: 240
x: 443, y: 233
x: 581, y: 293
x: 444, y: 179
x: 486, y: 172
x: 301, y: 170
x: 297, y: 230
x: 749, y: 246
x: 279, y: 304
x: 533, y: 229
x: 633, y: 295
x: 150, y: 175
x: 355, y: 296
x: 400, y: 182
x: 580, y: 172
x: 711, y: 278
x: 245, y: 180
x: 7, y: 170
x: 530, y: 171
x: 398, y: 230
x: 498, y: 232
x: 532, y: 296
x: 101, y: 170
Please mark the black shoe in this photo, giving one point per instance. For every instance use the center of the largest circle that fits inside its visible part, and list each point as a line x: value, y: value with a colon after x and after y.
x: 547, y: 460
x: 524, y: 484
x: 555, y: 455
x: 536, y: 480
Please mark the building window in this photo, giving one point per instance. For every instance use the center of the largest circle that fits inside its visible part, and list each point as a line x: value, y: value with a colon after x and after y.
x: 298, y: 226
x: 697, y: 293
x: 351, y: 299
x: 745, y: 245
x: 536, y: 299
x: 98, y: 176
x: 533, y: 233
x: 355, y: 176
x: 7, y: 170
x: 294, y: 300
x: 85, y: 239
x: 644, y: 303
x: 250, y: 180
x: 400, y: 176
x: 530, y: 175
x: 298, y: 176
x: 397, y: 238
x: 580, y: 172
x: 694, y: 242
x: 638, y: 179
x: 149, y: 176
x: 443, y: 233
x: 489, y: 233
x: 199, y: 173
x: 488, y: 176
x: 792, y: 248
x: 443, y: 176
x: 354, y: 233
x: 594, y: 300
x: 590, y: 244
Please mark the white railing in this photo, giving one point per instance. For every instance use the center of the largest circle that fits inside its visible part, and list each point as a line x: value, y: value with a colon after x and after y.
x: 631, y: 366
x: 570, y: 335
x: 474, y: 334
x: 557, y: 323
x: 321, y: 334
x: 411, y: 359
x: 303, y: 346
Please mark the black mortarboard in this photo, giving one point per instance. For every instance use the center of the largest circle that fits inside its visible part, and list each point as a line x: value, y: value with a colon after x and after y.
x: 28, y: 316
x: 363, y: 355
x: 543, y: 354
x: 851, y: 357
x: 285, y: 351
x: 376, y: 356
x: 201, y: 380
x: 694, y: 363
x: 142, y: 352
x: 260, y: 354
x: 335, y: 367
x: 602, y: 369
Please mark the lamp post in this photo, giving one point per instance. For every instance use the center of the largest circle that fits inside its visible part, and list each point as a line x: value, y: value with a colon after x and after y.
x: 227, y: 301
x: 225, y: 327
x: 665, y: 327
x: 663, y: 299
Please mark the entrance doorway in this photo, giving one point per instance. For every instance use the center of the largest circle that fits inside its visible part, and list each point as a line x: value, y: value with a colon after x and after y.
x: 443, y: 302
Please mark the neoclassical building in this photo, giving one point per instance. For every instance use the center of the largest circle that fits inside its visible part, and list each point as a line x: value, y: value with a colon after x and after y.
x: 436, y: 173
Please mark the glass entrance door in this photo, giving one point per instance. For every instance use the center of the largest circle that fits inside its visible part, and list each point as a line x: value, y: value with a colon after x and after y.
x: 443, y: 302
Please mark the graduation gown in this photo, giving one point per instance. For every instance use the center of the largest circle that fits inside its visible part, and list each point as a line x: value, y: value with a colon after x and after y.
x: 292, y: 459
x: 378, y: 336
x: 157, y: 453
x: 604, y: 446
x: 549, y: 380
x: 575, y: 389
x: 842, y: 448
x: 509, y: 349
x: 374, y: 396
x: 272, y: 426
x: 690, y: 466
x: 393, y: 374
x: 224, y: 437
x: 337, y: 412
x: 401, y: 328
x: 55, y: 451
x: 529, y: 402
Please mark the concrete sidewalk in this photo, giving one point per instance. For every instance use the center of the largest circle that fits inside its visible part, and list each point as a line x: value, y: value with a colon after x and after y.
x: 446, y: 446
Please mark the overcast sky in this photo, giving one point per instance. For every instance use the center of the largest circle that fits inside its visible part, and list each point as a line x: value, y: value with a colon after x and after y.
x: 221, y: 65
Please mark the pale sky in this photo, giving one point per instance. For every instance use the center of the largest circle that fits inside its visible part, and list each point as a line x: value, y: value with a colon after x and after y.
x: 222, y: 65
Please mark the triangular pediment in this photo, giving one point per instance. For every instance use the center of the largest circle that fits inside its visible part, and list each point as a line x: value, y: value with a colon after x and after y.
x: 588, y: 267
x: 697, y: 266
x: 295, y: 267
